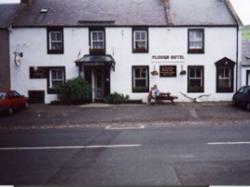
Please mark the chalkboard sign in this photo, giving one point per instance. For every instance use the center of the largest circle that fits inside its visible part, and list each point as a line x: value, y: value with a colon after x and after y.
x: 167, y: 71
x: 38, y: 73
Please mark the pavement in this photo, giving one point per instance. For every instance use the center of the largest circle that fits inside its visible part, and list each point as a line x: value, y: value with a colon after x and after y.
x: 102, y: 115
x: 216, y: 155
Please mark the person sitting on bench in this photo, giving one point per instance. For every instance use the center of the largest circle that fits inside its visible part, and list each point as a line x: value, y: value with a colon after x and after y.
x: 154, y: 93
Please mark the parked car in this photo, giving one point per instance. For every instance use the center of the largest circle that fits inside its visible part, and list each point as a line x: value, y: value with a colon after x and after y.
x: 11, y: 101
x: 242, y: 97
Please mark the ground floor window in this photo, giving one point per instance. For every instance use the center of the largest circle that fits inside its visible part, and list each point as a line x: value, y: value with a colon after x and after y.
x: 140, y: 78
x: 56, y: 77
x: 225, y: 75
x: 225, y: 78
x: 195, y: 79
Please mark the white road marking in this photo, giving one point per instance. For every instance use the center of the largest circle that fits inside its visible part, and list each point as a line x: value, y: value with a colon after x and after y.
x: 69, y: 147
x: 110, y: 127
x: 227, y: 143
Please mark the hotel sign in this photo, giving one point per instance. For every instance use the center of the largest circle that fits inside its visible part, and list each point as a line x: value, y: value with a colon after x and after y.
x: 167, y: 71
x: 168, y: 58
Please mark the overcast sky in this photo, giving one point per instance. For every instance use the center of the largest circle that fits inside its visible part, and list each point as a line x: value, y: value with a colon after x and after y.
x: 241, y: 6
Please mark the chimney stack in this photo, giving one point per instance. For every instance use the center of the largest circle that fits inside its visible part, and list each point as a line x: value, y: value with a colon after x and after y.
x: 26, y: 1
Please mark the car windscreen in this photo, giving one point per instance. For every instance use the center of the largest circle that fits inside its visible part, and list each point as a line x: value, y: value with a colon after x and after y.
x: 2, y: 95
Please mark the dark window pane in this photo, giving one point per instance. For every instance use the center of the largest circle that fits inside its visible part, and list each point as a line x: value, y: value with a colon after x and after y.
x: 140, y: 83
x: 137, y: 72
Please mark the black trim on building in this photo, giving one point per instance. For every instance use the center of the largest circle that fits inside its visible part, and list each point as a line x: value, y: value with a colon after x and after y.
x: 51, y: 51
x: 200, y: 89
x: 145, y: 90
x: 247, y: 75
x: 97, y: 51
x: 225, y: 63
x: 140, y: 50
x: 44, y: 73
x: 196, y: 51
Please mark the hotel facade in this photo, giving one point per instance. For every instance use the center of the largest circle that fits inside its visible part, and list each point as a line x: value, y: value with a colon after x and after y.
x: 125, y: 46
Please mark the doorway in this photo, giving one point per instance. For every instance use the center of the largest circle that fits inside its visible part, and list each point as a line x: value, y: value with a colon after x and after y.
x: 99, y: 78
x: 99, y: 84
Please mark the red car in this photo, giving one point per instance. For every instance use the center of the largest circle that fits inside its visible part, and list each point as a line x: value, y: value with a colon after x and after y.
x: 11, y: 101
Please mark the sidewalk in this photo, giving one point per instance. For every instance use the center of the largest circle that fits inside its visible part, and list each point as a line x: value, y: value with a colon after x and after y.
x: 99, y: 115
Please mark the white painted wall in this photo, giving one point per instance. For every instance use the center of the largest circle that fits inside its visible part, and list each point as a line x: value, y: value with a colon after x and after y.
x: 33, y: 43
x: 219, y: 43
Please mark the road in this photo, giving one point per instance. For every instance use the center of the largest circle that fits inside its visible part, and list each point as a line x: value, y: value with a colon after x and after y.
x: 148, y: 156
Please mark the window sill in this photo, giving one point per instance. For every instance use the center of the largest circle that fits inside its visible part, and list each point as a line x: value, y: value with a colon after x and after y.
x: 146, y: 90
x: 51, y: 52
x: 196, y: 51
x: 52, y: 91
x: 195, y: 91
x: 97, y: 51
x: 140, y: 50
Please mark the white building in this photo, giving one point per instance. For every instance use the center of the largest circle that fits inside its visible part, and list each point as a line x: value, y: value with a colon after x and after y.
x: 245, y: 57
x: 117, y: 45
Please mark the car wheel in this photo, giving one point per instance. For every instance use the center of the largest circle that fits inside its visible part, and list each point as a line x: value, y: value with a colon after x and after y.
x: 248, y: 107
x: 10, y: 111
x: 26, y: 105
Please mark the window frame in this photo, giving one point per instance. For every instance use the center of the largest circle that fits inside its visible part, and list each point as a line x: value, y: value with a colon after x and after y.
x: 140, y: 50
x: 49, y: 31
x: 196, y: 51
x: 201, y: 90
x: 96, y: 51
x: 140, y: 90
x: 50, y: 80
x: 225, y: 63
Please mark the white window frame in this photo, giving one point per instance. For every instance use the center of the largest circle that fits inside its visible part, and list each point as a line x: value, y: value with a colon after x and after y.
x: 140, y: 39
x: 92, y: 41
x: 194, y: 39
x: 55, y: 41
x: 195, y: 77
x: 51, y: 79
x: 224, y: 77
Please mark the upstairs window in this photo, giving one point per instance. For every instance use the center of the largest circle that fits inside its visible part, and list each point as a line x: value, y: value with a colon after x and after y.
x: 55, y: 40
x: 196, y: 41
x: 97, y: 42
x: 140, y: 40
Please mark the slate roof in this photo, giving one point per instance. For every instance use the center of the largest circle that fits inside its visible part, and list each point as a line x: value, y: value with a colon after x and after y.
x: 125, y: 13
x: 200, y: 12
x: 114, y: 12
x: 7, y: 12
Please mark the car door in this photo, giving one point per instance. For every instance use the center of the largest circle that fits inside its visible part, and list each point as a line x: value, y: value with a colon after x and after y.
x: 239, y: 96
x: 18, y: 99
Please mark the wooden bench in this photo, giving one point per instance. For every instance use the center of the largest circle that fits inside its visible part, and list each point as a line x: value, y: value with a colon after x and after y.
x: 162, y: 97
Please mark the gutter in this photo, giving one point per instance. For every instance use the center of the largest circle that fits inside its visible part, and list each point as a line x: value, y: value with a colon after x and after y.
x: 239, y: 23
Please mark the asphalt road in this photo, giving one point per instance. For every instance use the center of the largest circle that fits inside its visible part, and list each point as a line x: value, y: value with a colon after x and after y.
x: 217, y: 155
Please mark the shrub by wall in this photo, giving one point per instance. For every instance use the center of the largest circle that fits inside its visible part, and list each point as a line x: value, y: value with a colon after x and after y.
x: 75, y: 91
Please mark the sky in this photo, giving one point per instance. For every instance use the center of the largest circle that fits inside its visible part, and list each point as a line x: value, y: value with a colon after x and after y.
x: 241, y: 6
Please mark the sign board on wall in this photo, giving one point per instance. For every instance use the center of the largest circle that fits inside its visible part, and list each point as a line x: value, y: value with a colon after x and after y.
x: 168, y: 71
x: 168, y: 58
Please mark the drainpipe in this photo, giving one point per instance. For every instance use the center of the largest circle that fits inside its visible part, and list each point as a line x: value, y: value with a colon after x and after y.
x: 237, y: 58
